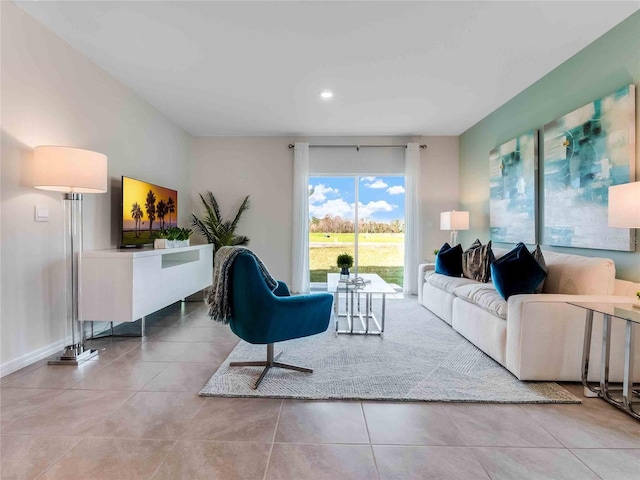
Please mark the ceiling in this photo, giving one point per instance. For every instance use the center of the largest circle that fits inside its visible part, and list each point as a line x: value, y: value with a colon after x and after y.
x: 396, y: 68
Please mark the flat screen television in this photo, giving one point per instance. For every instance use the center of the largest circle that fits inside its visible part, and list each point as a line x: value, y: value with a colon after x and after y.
x: 146, y: 209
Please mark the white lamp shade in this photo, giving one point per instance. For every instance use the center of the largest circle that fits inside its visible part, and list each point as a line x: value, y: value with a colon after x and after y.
x: 71, y: 170
x: 624, y: 205
x: 454, y: 220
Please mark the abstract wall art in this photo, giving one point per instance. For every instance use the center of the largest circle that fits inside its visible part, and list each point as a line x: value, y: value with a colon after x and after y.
x: 585, y: 152
x: 513, y: 186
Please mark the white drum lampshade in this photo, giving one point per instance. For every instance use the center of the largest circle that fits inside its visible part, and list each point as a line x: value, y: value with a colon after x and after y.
x: 69, y: 170
x: 454, y: 221
x: 624, y: 205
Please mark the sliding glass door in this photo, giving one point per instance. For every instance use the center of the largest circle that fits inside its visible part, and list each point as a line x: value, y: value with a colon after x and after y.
x: 359, y: 215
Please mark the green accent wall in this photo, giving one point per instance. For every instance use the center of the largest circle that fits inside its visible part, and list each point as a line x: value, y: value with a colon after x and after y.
x: 607, y: 64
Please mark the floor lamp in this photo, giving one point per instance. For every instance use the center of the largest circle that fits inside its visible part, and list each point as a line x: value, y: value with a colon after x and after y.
x: 72, y: 171
x: 454, y: 221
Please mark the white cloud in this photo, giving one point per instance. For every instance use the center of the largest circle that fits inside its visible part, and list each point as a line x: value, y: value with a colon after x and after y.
x: 395, y: 190
x: 377, y: 184
x: 320, y: 193
x: 336, y: 208
x: 339, y: 208
x: 368, y: 210
x: 367, y: 179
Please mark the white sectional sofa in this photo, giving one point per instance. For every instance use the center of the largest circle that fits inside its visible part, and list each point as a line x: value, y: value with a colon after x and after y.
x: 537, y: 336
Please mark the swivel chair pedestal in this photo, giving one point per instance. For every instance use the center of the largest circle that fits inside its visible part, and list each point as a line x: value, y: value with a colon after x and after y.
x: 269, y: 363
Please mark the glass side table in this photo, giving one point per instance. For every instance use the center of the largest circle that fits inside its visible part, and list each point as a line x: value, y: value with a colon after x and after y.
x: 631, y: 315
x: 359, y: 322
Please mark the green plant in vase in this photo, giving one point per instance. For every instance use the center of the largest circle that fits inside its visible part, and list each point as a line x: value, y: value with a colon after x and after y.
x: 344, y: 262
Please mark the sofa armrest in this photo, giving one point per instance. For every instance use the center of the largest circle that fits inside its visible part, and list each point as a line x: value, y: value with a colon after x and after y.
x: 545, y: 335
x: 422, y: 268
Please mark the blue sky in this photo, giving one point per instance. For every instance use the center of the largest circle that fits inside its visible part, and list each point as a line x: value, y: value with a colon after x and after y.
x: 381, y: 198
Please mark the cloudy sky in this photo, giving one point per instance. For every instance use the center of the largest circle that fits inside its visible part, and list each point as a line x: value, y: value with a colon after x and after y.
x: 381, y: 198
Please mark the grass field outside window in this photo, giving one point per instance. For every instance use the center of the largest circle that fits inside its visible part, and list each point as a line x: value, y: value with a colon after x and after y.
x: 381, y: 253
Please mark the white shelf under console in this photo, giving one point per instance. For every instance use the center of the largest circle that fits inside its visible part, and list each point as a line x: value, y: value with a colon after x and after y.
x: 125, y: 285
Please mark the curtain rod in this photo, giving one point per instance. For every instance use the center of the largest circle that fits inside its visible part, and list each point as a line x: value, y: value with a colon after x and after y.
x: 358, y: 147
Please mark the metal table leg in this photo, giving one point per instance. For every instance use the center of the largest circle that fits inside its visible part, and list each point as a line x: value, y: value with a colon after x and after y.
x: 336, y: 308
x: 606, y: 353
x: 367, y: 301
x: 627, y: 386
x: 604, y: 390
x: 586, y: 352
x: 351, y: 317
x: 384, y: 305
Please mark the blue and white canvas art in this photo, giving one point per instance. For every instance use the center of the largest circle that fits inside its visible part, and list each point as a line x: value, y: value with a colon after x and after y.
x: 512, y: 206
x: 585, y: 152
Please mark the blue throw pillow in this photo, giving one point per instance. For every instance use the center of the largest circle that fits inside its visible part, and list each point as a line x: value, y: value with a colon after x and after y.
x: 449, y: 260
x: 516, y: 272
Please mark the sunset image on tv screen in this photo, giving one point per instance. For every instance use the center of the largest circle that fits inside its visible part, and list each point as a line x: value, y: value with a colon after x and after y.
x: 146, y: 209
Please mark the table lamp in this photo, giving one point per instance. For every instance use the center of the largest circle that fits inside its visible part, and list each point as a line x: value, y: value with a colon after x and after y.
x: 624, y: 206
x: 72, y: 171
x: 454, y: 221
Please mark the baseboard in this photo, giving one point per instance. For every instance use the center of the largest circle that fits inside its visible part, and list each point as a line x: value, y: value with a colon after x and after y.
x: 29, y: 358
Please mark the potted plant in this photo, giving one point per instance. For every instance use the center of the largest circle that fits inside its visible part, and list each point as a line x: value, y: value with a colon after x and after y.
x: 172, y: 237
x: 344, y: 262
x: 217, y: 231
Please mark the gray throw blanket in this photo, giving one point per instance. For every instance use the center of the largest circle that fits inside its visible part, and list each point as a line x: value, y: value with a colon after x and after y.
x: 218, y: 298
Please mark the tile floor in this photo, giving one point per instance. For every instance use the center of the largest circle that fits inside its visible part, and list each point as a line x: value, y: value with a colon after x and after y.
x: 134, y: 413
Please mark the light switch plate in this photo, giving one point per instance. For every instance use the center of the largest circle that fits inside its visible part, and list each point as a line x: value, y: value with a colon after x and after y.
x: 41, y: 213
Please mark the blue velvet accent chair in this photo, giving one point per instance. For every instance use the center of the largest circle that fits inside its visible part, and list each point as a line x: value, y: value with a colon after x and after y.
x: 260, y: 316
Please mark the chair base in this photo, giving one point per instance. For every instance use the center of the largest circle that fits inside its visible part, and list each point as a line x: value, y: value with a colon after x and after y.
x: 269, y: 363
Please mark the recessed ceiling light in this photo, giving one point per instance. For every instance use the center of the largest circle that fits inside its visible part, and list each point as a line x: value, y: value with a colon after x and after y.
x: 326, y: 94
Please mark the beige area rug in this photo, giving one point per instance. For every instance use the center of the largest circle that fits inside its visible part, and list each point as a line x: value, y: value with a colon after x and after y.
x: 419, y: 358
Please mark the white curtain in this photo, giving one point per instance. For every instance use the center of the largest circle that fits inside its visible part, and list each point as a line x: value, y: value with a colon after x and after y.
x: 300, y: 239
x: 412, y: 235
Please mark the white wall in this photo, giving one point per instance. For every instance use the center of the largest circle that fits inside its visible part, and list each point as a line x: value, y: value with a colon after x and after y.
x: 262, y: 167
x: 52, y: 95
x: 232, y: 167
x: 439, y: 189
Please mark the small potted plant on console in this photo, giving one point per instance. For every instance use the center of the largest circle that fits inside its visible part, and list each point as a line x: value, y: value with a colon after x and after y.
x: 172, y: 237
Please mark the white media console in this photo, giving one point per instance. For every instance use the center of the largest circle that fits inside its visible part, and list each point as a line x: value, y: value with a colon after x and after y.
x: 126, y: 285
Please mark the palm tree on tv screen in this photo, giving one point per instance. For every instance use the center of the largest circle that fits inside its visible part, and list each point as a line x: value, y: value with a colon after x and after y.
x: 137, y: 214
x: 150, y: 207
x: 161, y: 211
x: 171, y: 208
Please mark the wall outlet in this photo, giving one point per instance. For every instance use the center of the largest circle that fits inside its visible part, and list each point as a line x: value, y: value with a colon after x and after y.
x: 41, y: 213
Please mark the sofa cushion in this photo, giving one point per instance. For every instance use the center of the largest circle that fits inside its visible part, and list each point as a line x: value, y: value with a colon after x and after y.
x: 485, y: 296
x: 577, y: 275
x: 537, y: 254
x: 476, y: 261
x: 449, y: 260
x: 516, y: 272
x: 446, y: 283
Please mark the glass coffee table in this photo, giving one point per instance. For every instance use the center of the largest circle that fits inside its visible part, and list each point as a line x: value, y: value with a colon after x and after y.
x: 354, y: 303
x: 631, y: 315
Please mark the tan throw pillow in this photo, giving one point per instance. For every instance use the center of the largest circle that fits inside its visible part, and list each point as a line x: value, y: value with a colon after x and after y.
x: 476, y: 262
x: 537, y: 254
